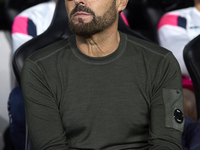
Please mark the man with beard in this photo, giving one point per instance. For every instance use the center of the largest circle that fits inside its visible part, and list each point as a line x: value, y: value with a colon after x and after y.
x: 101, y: 89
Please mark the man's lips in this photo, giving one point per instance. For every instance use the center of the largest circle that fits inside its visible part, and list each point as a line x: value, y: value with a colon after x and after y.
x: 81, y: 14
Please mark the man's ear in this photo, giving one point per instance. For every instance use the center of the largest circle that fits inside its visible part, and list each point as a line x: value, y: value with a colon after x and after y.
x: 122, y: 5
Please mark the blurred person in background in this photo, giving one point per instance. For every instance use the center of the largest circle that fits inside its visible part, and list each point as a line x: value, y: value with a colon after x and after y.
x: 27, y: 25
x: 175, y: 30
x: 31, y: 23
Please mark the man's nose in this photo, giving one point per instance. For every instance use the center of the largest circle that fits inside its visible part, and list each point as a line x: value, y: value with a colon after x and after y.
x: 81, y: 2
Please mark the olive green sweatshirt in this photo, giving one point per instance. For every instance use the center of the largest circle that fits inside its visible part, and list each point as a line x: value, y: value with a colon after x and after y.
x: 130, y: 99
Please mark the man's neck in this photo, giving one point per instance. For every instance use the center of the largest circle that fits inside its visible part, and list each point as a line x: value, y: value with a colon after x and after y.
x: 100, y: 44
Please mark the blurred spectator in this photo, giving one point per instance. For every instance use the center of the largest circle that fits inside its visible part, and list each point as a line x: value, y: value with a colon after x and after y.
x: 175, y: 30
x: 32, y: 22
x: 17, y: 119
x: 28, y: 24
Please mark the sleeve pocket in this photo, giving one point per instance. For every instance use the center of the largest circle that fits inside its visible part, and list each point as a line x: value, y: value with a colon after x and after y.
x: 173, y: 104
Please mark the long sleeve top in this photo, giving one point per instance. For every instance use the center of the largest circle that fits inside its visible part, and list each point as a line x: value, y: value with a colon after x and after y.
x: 130, y: 99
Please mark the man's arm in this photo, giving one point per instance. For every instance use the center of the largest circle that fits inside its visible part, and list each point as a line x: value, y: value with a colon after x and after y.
x: 166, y: 107
x: 42, y: 112
x: 172, y: 35
x: 23, y: 29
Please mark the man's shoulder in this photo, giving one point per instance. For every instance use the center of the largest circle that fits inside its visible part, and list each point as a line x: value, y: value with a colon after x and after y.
x: 147, y: 47
x: 51, y: 50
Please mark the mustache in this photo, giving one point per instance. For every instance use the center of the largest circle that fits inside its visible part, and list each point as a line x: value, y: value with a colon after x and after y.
x: 81, y: 8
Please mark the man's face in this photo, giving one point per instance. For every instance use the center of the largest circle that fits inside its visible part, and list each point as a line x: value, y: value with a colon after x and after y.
x: 85, y: 21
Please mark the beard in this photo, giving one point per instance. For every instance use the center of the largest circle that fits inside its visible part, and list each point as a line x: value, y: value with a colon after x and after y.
x: 96, y: 25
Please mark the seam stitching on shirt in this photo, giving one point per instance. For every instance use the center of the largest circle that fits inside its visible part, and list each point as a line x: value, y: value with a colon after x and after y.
x: 145, y: 47
x: 51, y: 53
x: 35, y: 65
x: 162, y: 63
